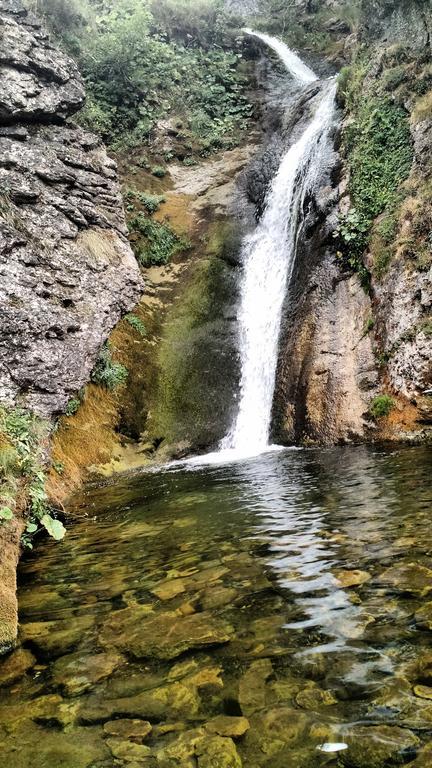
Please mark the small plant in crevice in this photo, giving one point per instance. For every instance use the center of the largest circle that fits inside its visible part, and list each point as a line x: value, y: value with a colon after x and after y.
x: 154, y: 243
x: 352, y: 237
x: 150, y: 202
x: 106, y: 372
x: 381, y: 406
x: 159, y: 171
x: 136, y: 323
x: 22, y: 473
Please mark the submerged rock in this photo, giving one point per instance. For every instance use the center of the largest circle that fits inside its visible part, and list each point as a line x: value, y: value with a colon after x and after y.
x: 15, y: 666
x: 252, y: 686
x: 128, y: 750
x: 218, y: 752
x: 412, y: 578
x: 378, y: 746
x: 355, y: 578
x: 56, y: 638
x: 164, y: 635
x: 314, y: 698
x: 223, y: 725
x: 423, y: 616
x: 76, y: 673
x: 170, y: 701
x: 134, y: 730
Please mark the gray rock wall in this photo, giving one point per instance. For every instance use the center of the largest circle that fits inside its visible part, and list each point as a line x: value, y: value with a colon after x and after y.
x: 67, y: 273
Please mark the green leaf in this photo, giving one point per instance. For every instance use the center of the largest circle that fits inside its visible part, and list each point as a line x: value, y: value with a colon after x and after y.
x: 6, y: 513
x: 54, y: 527
x: 31, y: 527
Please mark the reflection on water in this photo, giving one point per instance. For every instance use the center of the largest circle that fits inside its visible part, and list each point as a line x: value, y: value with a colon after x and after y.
x: 288, y: 593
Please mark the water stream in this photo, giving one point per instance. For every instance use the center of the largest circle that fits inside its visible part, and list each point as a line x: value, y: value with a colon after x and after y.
x: 268, y: 257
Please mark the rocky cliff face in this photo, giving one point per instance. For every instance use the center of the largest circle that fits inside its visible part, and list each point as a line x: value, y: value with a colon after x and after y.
x: 67, y: 273
x: 342, y: 346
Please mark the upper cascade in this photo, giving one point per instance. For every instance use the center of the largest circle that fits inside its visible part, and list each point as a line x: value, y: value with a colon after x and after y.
x: 293, y: 63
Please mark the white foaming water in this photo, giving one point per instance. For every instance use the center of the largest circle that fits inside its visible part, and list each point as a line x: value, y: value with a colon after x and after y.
x: 292, y: 62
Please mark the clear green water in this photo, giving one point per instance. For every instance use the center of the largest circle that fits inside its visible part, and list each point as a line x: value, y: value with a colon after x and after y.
x: 291, y: 590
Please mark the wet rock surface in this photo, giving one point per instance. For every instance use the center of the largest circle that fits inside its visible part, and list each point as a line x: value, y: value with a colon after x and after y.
x: 67, y: 272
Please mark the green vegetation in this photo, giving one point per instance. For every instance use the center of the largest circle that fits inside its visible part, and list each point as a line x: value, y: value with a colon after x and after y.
x: 381, y: 406
x: 106, y: 372
x: 154, y: 243
x: 379, y: 153
x: 136, y: 323
x: 144, y: 60
x: 159, y: 171
x: 72, y: 406
x: 150, y: 202
x: 22, y: 474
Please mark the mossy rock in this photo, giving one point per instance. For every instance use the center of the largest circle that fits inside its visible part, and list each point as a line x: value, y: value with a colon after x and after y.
x: 379, y: 746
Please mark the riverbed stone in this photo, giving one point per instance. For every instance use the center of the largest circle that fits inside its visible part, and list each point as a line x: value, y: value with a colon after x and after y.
x: 76, y: 673
x: 217, y: 752
x: 128, y: 750
x: 223, y: 725
x: 354, y: 578
x: 378, y: 746
x: 314, y: 698
x: 411, y: 578
x: 55, y: 638
x: 164, y: 635
x: 218, y: 596
x: 182, y: 748
x: 168, y: 589
x: 15, y: 666
x: 174, y: 701
x: 274, y: 729
x: 32, y: 746
x: 423, y: 616
x: 423, y: 691
x: 252, y: 686
x: 134, y: 730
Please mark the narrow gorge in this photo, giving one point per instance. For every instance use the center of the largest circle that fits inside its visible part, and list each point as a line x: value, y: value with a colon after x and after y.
x: 215, y: 383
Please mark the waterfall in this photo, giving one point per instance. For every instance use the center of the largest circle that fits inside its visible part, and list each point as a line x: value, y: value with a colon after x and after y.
x: 293, y: 63
x: 268, y: 259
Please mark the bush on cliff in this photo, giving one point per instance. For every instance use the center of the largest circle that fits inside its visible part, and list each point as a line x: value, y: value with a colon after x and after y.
x: 143, y: 60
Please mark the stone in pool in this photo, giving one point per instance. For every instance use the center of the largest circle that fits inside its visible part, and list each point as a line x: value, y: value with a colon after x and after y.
x: 217, y: 752
x: 423, y: 616
x: 223, y: 725
x: 15, y: 666
x: 134, y: 730
x: 76, y: 673
x: 163, y: 635
x: 411, y: 578
x: 379, y: 746
x: 352, y: 578
x: 314, y: 698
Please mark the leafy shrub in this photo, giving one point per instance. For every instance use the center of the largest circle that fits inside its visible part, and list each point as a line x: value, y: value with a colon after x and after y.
x: 72, y: 406
x: 150, y: 202
x: 143, y: 60
x: 106, y: 372
x: 136, y: 323
x: 157, y: 242
x: 381, y: 406
x: 159, y: 171
x: 23, y: 466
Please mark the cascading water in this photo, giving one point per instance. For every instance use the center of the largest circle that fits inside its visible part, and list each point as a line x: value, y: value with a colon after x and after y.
x: 293, y: 63
x: 268, y: 258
